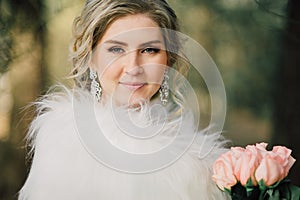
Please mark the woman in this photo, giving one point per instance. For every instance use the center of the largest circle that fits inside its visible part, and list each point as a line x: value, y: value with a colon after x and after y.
x: 108, y: 138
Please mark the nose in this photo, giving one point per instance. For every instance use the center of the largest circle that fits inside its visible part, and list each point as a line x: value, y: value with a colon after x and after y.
x: 132, y: 66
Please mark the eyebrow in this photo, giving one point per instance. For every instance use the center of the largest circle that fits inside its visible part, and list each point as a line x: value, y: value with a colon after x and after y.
x: 116, y: 42
x: 125, y: 44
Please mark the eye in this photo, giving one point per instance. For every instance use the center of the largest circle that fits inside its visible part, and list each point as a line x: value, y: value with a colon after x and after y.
x: 150, y: 50
x: 116, y: 50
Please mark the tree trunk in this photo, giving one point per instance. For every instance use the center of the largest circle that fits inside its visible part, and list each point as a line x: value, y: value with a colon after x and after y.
x: 27, y: 74
x: 287, y: 97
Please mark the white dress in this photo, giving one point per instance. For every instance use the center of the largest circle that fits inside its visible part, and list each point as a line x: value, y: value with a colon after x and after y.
x: 66, y: 165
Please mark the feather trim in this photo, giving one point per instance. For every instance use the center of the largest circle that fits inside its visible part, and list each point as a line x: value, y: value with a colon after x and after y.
x: 63, y: 168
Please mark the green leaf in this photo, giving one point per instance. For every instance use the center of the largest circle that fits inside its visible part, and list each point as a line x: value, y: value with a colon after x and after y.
x: 279, y: 191
x: 250, y: 188
x: 295, y: 192
x: 262, y: 185
x: 273, y: 193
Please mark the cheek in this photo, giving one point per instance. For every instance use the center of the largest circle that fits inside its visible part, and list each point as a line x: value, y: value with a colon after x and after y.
x: 109, y: 76
x: 155, y: 89
x: 155, y: 77
x: 155, y: 73
x: 106, y: 69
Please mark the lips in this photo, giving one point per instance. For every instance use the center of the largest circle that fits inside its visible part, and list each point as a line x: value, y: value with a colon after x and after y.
x: 132, y: 85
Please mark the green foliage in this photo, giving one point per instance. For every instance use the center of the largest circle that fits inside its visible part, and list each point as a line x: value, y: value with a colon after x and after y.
x: 244, y: 39
x: 239, y: 192
x: 281, y: 190
x: 5, y: 39
x: 21, y: 15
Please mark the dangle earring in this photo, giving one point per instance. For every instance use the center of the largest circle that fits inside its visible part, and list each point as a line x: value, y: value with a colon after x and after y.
x: 164, y: 89
x: 96, y: 90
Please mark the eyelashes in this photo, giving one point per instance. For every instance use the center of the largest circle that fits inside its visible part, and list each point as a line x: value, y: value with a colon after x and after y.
x: 148, y: 50
x: 151, y: 50
x: 116, y: 50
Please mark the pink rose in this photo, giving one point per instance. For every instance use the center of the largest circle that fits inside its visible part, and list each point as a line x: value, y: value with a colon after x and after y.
x: 275, y: 165
x: 223, y: 171
x: 286, y: 159
x: 246, y: 165
x: 270, y: 169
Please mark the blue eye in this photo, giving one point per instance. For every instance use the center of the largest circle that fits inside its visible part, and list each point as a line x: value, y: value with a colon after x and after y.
x: 116, y: 50
x: 150, y: 50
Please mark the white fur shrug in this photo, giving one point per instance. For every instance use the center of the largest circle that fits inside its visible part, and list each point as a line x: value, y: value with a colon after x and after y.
x: 64, y: 169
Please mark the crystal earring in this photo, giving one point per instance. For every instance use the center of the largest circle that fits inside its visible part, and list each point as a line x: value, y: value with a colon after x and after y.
x: 164, y: 89
x: 96, y: 90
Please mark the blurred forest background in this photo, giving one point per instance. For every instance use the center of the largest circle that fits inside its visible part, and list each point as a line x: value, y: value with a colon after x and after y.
x: 255, y: 44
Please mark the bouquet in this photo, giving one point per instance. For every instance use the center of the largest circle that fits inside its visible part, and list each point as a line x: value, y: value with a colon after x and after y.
x: 256, y: 173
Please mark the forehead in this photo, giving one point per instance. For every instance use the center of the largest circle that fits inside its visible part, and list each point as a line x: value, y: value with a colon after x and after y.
x: 133, y: 28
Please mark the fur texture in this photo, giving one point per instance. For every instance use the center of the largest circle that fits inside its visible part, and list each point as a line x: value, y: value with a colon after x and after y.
x: 63, y: 168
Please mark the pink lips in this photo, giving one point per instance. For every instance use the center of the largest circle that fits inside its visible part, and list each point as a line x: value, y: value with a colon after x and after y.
x: 132, y: 86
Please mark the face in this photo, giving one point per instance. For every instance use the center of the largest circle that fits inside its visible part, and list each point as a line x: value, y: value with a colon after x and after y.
x: 130, y: 60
